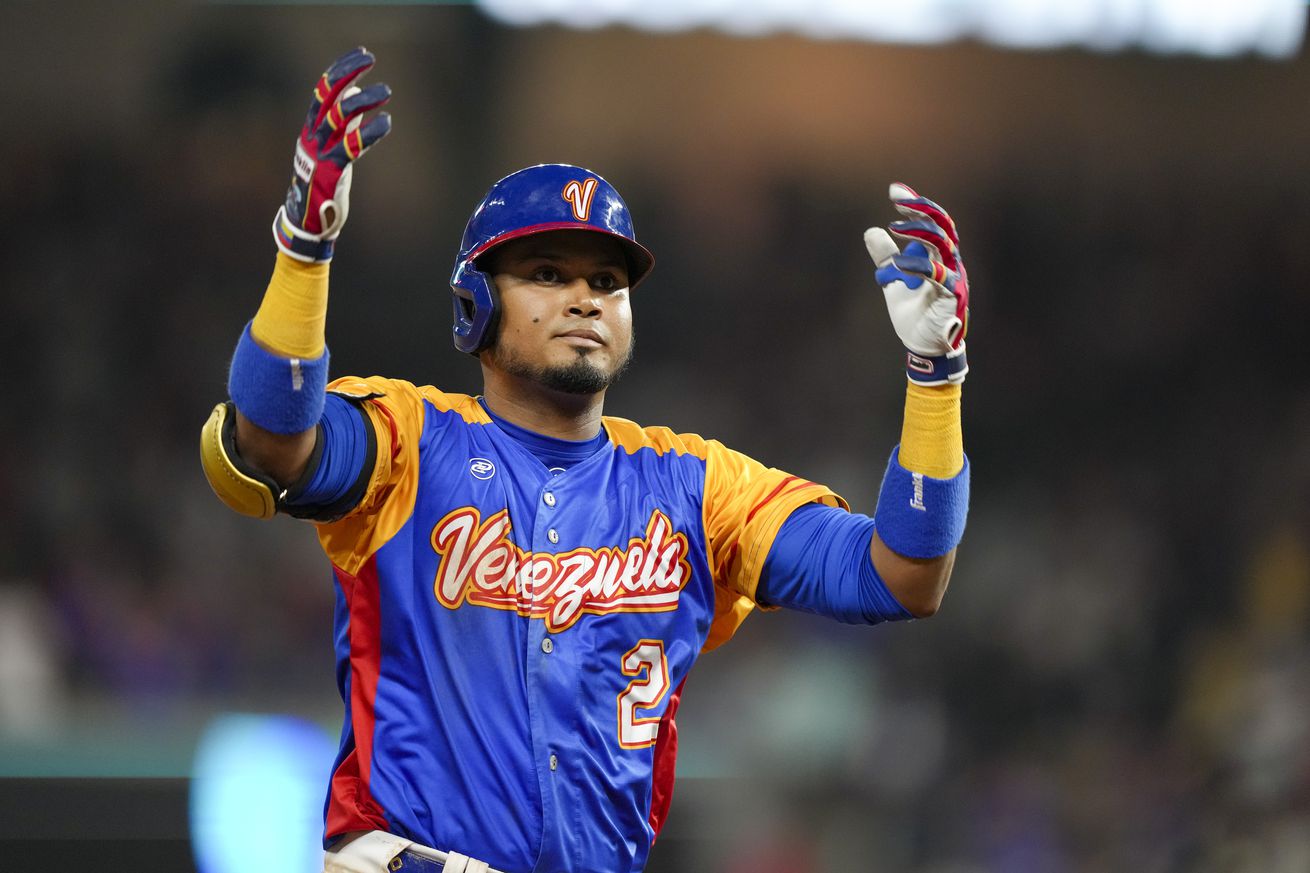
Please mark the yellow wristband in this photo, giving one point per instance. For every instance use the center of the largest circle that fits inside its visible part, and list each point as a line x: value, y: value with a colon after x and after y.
x: 932, y: 441
x: 290, y: 322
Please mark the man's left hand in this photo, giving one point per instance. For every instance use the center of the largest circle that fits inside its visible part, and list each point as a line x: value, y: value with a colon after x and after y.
x: 926, y: 286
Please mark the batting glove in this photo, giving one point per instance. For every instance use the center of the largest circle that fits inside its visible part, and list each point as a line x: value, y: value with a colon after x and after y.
x: 926, y: 287
x: 307, y: 225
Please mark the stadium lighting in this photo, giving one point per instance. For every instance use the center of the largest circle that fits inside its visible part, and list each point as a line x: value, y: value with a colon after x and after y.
x: 1216, y: 28
x: 257, y: 795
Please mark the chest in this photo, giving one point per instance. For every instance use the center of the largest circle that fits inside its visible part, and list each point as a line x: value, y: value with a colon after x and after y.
x: 616, y: 534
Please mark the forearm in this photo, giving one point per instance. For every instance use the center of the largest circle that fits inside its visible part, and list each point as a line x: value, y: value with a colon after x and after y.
x: 289, y: 325
x: 932, y: 444
x: 281, y: 456
x: 256, y: 446
x: 918, y: 584
x: 292, y: 317
x: 932, y: 438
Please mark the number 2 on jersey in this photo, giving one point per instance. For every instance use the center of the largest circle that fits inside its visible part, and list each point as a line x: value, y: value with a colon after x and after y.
x: 645, y: 661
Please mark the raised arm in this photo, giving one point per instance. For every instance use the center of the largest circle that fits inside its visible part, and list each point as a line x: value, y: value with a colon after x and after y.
x: 896, y: 565
x: 921, y: 510
x: 261, y: 443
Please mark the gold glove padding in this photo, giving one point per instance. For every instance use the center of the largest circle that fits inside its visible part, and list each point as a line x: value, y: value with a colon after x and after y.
x: 243, y: 489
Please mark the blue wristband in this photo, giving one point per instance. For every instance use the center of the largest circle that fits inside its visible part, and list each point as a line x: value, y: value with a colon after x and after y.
x: 282, y: 395
x: 919, y: 516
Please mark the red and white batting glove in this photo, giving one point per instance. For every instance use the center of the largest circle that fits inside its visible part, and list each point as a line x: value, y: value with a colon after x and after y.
x: 926, y: 286
x: 307, y: 225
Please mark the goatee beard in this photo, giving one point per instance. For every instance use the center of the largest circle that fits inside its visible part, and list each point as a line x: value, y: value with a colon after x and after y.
x: 579, y: 377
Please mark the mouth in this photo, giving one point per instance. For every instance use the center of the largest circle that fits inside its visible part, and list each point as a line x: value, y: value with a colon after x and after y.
x: 583, y: 338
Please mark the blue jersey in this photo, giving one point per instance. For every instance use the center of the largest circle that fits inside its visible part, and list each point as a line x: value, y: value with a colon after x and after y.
x: 511, y: 640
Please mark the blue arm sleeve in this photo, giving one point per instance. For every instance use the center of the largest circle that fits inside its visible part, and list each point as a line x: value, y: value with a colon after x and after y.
x: 338, y: 471
x: 820, y: 563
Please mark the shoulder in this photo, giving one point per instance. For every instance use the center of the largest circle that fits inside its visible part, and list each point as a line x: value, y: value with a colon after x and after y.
x: 398, y: 392
x: 633, y: 437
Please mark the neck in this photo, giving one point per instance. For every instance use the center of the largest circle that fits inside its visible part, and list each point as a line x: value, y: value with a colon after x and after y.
x: 542, y: 410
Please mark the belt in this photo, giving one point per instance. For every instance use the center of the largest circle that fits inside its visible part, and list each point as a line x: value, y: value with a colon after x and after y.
x: 379, y: 851
x: 423, y: 859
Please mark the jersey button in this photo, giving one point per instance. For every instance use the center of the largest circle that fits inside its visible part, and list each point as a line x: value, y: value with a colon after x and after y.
x: 548, y: 645
x: 552, y: 535
x: 549, y: 497
x: 554, y: 762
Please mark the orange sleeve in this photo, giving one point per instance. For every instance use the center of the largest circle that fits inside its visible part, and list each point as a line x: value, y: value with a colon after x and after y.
x: 745, y: 505
x: 396, y: 410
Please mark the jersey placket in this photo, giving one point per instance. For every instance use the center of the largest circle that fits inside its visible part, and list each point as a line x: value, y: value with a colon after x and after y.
x: 546, y: 676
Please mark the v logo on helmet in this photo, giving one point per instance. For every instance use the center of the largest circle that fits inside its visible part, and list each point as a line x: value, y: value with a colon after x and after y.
x: 579, y: 195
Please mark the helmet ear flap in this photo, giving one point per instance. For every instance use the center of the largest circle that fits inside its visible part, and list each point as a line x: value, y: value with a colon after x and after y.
x: 476, y: 305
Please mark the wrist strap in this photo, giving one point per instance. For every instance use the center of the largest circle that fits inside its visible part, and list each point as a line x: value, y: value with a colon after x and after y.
x: 941, y: 370
x: 299, y: 244
x: 919, y: 516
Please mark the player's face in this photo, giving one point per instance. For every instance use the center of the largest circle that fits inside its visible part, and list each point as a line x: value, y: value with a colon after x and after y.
x: 566, y: 319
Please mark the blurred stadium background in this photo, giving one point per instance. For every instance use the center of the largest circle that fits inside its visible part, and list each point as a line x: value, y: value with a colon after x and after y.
x: 1120, y: 677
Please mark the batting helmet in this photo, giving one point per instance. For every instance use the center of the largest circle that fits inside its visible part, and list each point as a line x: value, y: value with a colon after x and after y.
x: 534, y: 200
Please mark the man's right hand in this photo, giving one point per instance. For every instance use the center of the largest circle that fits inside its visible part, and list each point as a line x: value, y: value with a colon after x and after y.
x: 331, y: 141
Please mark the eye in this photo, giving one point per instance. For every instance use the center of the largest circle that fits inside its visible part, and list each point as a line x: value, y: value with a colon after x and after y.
x: 606, y: 282
x: 546, y: 275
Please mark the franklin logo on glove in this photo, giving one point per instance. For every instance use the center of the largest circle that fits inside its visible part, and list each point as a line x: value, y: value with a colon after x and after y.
x: 304, y: 165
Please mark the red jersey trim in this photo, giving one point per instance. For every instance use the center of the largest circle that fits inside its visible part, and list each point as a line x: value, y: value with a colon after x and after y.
x: 351, y: 806
x: 662, y: 769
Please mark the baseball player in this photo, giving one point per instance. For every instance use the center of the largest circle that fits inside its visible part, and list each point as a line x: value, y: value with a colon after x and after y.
x: 523, y: 583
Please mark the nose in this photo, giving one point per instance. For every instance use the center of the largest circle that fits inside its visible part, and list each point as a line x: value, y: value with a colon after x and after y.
x: 583, y: 300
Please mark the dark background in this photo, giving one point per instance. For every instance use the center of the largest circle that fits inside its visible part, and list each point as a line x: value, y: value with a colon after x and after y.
x: 1118, y: 678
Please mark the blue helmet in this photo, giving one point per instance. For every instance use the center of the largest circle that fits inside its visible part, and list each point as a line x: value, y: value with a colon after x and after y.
x: 533, y: 200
